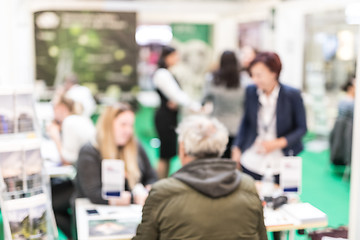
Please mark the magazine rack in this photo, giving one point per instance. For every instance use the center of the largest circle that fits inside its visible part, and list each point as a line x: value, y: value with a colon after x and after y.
x: 24, y: 186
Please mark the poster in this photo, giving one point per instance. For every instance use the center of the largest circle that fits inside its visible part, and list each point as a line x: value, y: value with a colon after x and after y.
x: 99, y: 47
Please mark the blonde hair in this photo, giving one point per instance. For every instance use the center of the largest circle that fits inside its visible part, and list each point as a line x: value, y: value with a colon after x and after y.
x: 74, y: 107
x: 202, y: 136
x: 108, y: 148
x: 67, y: 102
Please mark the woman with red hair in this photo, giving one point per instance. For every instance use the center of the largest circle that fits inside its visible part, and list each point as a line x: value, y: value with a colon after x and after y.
x: 274, y: 120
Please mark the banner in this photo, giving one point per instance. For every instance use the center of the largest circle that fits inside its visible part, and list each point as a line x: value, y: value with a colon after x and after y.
x: 184, y: 32
x: 99, y: 47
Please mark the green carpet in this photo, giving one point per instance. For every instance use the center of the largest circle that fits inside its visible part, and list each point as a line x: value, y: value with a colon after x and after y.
x: 1, y: 226
x: 325, y: 188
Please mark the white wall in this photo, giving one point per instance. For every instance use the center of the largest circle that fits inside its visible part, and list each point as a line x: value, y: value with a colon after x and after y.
x: 289, y: 44
x: 16, y: 46
x: 225, y: 36
x: 290, y: 34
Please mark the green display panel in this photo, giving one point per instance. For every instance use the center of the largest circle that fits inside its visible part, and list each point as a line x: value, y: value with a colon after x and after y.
x: 186, y: 31
x: 99, y: 47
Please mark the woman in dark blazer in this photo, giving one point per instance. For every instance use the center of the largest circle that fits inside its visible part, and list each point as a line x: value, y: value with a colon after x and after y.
x: 274, y: 120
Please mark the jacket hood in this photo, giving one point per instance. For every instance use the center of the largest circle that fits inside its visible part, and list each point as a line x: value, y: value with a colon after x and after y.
x: 212, y: 177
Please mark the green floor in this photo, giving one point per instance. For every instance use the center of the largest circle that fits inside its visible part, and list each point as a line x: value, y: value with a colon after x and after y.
x: 323, y: 185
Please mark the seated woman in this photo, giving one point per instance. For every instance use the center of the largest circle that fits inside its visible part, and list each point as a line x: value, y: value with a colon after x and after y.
x: 69, y: 132
x: 114, y: 140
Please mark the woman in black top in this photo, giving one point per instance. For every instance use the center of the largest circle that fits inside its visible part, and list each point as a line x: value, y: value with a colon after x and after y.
x: 115, y: 140
x: 166, y: 115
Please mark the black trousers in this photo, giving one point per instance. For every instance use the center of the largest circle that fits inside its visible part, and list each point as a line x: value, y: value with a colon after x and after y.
x: 61, y: 191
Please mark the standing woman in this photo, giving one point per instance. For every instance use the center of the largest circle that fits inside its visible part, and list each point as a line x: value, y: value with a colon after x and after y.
x: 274, y: 120
x: 166, y: 116
x: 223, y: 90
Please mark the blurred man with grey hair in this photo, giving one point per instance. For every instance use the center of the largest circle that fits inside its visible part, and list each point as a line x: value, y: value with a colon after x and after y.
x: 208, y: 198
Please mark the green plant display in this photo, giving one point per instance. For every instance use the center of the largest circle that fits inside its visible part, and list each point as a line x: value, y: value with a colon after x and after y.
x: 99, y: 47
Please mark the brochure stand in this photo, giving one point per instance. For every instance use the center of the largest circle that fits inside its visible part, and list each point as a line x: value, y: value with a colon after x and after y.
x: 24, y: 186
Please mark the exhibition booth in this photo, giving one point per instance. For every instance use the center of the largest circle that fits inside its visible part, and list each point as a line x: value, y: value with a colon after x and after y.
x: 113, y: 46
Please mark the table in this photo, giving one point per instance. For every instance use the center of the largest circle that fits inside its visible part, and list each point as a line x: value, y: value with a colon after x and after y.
x: 291, y: 217
x: 67, y: 172
x: 107, y: 220
x: 104, y: 222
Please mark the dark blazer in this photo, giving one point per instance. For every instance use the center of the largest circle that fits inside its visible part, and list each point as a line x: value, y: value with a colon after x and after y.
x: 290, y: 119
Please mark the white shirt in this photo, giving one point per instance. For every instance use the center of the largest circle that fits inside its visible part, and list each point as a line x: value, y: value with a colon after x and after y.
x: 83, y: 96
x: 76, y: 131
x: 167, y: 84
x: 252, y: 158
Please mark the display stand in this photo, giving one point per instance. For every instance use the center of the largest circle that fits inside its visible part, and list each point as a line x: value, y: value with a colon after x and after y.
x: 24, y: 186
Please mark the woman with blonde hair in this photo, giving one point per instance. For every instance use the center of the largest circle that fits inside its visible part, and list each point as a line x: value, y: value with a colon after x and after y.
x: 114, y: 140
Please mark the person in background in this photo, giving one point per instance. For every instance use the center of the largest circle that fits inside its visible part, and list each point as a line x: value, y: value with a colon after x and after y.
x: 69, y: 133
x: 172, y: 97
x: 341, y: 134
x: 274, y: 120
x: 79, y: 94
x: 247, y: 54
x: 224, y: 92
x: 114, y: 140
x: 208, y: 198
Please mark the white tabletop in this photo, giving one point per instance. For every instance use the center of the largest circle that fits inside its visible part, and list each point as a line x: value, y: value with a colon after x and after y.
x: 111, y: 219
x: 104, y: 222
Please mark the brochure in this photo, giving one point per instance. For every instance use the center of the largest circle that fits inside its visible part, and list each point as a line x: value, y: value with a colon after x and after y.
x: 305, y: 212
x: 7, y: 114
x: 291, y: 174
x: 24, y: 111
x: 11, y: 163
x: 112, y: 177
x: 112, y: 227
x: 27, y: 217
